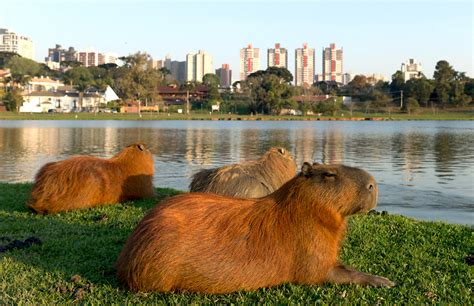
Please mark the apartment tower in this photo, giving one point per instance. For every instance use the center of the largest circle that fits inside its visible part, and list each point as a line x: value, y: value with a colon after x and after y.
x: 304, y: 66
x: 225, y: 76
x: 249, y: 61
x: 277, y: 57
x: 197, y: 65
x: 332, y: 64
x: 12, y: 42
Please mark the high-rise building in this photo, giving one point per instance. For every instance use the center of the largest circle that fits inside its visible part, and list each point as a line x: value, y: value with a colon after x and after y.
x: 88, y: 57
x: 225, y: 76
x: 91, y: 57
x: 249, y: 61
x: 177, y: 69
x: 58, y: 54
x: 332, y: 64
x: 197, y: 65
x: 156, y: 64
x: 304, y: 66
x: 411, y: 70
x: 277, y: 57
x: 11, y: 42
x: 110, y: 58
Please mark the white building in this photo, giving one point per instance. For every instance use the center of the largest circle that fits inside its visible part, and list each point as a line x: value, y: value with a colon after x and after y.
x: 65, y: 100
x: 411, y: 70
x: 43, y: 84
x: 304, y: 66
x: 332, y: 64
x: 11, y: 42
x: 277, y: 57
x: 249, y: 61
x: 197, y: 65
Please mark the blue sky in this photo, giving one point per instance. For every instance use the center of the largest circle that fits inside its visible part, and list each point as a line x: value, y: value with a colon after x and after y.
x: 377, y: 36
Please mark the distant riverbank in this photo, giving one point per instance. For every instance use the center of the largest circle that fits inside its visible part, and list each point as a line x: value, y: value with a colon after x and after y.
x: 344, y: 116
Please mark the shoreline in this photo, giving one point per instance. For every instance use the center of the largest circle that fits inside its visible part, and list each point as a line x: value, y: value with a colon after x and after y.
x: 464, y: 116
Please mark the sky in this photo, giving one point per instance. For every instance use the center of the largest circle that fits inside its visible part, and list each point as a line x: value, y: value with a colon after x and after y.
x: 376, y: 35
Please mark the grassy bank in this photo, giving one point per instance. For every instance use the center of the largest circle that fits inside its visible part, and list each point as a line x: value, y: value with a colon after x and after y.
x: 467, y: 114
x: 75, y: 261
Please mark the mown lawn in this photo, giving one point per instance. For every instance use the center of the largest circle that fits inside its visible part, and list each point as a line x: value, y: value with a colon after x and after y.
x: 423, y: 114
x: 75, y: 261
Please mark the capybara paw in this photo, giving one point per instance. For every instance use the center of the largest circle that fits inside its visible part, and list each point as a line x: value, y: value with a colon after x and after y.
x: 379, y: 281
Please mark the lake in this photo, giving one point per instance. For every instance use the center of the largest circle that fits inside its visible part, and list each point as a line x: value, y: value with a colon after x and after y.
x: 425, y: 169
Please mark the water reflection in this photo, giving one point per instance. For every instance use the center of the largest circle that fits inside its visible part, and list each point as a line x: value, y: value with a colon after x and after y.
x: 425, y: 169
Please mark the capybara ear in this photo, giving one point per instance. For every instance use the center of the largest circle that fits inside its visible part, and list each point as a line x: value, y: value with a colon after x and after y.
x: 281, y: 150
x: 306, y: 169
x: 315, y: 164
x: 141, y: 147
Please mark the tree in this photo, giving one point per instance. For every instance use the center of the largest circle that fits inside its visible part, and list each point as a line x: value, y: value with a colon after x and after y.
x: 12, y: 100
x: 329, y: 106
x: 6, y: 56
x: 327, y: 87
x: 163, y: 72
x: 359, y: 86
x: 101, y: 77
x: 280, y: 72
x: 397, y: 84
x: 22, y: 69
x: 268, y: 92
x: 212, y: 81
x: 411, y: 105
x: 135, y: 80
x: 81, y: 78
x: 421, y: 90
x: 444, y: 76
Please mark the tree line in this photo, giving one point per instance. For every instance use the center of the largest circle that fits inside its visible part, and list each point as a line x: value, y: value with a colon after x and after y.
x: 266, y: 91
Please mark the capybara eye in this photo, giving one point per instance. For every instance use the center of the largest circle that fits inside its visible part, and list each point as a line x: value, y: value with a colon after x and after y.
x: 329, y: 174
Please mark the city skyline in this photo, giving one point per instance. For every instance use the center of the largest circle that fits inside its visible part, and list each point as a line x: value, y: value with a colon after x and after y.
x: 377, y: 36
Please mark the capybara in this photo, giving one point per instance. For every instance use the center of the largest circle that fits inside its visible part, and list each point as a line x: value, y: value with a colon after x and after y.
x: 201, y: 242
x: 252, y: 179
x: 85, y: 181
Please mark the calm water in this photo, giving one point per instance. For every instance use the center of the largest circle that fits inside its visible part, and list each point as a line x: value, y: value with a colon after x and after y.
x: 425, y: 169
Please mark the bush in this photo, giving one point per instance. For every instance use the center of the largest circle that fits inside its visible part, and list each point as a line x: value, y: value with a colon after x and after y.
x: 12, y: 100
x: 411, y: 105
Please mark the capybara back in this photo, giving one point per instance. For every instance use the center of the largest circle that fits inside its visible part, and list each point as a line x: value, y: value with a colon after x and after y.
x: 84, y: 181
x: 252, y: 179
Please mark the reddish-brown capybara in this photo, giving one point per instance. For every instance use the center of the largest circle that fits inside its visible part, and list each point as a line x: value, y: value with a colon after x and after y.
x: 252, y: 179
x: 85, y: 181
x: 201, y: 242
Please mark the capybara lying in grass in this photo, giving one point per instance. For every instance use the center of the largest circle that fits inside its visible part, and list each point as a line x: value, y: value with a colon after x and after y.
x: 252, y: 179
x: 200, y: 242
x: 84, y: 181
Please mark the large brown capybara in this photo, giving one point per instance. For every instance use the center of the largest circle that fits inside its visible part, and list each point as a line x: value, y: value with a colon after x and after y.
x: 252, y: 179
x: 200, y: 242
x: 84, y: 181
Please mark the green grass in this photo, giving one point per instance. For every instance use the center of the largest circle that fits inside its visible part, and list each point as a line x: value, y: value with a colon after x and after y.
x: 424, y: 114
x: 425, y: 259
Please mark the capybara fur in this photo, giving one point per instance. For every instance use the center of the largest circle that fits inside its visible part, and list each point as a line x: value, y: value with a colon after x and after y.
x: 252, y: 179
x: 201, y: 242
x: 85, y: 181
